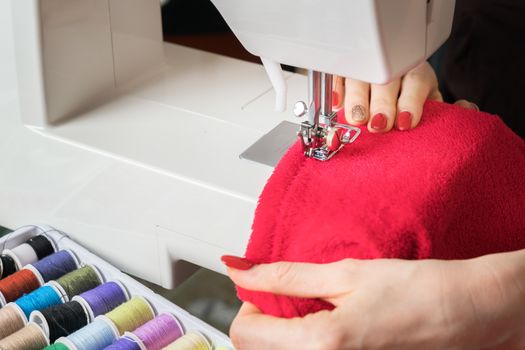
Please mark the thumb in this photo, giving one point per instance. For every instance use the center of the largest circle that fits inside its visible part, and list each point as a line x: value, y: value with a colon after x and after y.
x: 251, y: 330
x: 298, y: 279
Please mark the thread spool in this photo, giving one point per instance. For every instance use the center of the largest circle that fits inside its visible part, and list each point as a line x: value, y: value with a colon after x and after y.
x: 131, y: 315
x: 31, y: 251
x: 159, y: 332
x: 57, y: 346
x: 95, y: 336
x: 30, y: 337
x: 42, y: 298
x: 191, y: 341
x: 125, y: 343
x: 11, y: 321
x: 8, y: 266
x: 22, y: 255
x: 42, y: 246
x: 103, y: 299
x: 79, y: 281
x: 61, y: 320
x: 18, y: 284
x: 55, y: 265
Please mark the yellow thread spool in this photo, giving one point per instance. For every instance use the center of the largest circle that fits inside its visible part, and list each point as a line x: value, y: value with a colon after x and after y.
x: 190, y: 341
x: 131, y: 315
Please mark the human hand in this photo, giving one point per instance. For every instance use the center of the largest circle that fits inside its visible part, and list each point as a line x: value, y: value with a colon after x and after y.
x: 398, y: 103
x: 389, y: 304
x: 467, y: 104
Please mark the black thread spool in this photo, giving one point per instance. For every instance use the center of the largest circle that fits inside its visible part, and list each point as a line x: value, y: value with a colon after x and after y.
x: 8, y: 266
x: 61, y: 320
x: 42, y: 246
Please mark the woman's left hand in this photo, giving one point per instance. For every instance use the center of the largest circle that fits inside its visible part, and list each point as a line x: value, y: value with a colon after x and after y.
x: 389, y: 304
x: 381, y: 107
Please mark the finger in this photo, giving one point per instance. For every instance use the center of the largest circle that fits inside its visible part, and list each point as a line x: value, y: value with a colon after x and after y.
x: 253, y: 330
x: 298, y: 279
x: 357, y: 95
x: 417, y: 86
x: 338, y: 93
x: 383, y: 106
x: 467, y: 104
x: 414, y: 92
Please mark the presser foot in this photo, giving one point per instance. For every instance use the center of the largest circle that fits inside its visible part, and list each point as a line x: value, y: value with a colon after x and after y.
x: 323, y: 142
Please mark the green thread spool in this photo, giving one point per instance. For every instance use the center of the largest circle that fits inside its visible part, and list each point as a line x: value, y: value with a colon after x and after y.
x: 57, y: 346
x: 131, y: 315
x: 80, y: 281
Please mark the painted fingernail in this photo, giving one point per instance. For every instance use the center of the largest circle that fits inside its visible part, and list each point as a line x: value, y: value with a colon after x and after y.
x: 379, y: 121
x: 236, y: 262
x: 335, y: 99
x: 358, y: 113
x: 404, y: 121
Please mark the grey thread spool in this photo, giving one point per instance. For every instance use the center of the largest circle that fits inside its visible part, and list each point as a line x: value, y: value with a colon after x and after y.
x: 31, y: 337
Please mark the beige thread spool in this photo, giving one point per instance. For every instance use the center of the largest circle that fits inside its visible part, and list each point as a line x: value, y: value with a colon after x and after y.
x: 31, y: 337
x: 11, y: 321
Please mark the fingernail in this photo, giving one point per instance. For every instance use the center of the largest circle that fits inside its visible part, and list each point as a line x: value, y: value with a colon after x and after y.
x: 358, y: 113
x: 335, y: 99
x: 404, y: 121
x: 379, y: 121
x: 236, y: 262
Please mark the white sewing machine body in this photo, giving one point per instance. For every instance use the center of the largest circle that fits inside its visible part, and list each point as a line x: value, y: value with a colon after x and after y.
x: 132, y: 145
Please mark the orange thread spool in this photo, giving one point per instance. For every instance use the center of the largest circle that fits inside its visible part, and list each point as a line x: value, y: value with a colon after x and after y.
x: 18, y: 284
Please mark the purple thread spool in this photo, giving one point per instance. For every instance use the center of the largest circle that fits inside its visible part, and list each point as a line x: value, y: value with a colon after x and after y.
x: 56, y: 265
x: 124, y: 344
x: 159, y: 332
x: 104, y: 298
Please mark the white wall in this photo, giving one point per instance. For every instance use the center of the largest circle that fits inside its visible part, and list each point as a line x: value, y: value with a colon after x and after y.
x: 7, y: 62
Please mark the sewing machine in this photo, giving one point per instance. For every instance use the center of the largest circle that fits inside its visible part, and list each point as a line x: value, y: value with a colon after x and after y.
x: 153, y: 155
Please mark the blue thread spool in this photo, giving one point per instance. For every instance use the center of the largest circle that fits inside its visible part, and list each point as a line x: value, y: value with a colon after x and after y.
x: 97, y: 335
x: 39, y: 299
x: 55, y: 265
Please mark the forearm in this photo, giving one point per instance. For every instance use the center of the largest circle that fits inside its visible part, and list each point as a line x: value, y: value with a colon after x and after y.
x: 501, y: 295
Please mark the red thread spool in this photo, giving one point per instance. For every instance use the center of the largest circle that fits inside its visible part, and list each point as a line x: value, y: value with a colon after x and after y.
x: 18, y: 284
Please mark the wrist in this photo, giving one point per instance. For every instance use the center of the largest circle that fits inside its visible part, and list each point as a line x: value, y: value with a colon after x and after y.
x: 500, y: 294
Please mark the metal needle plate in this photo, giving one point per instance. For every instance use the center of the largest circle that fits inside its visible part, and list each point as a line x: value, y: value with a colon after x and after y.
x: 270, y: 148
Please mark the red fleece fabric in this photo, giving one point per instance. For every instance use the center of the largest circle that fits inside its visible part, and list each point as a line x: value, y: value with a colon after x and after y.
x: 453, y: 188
